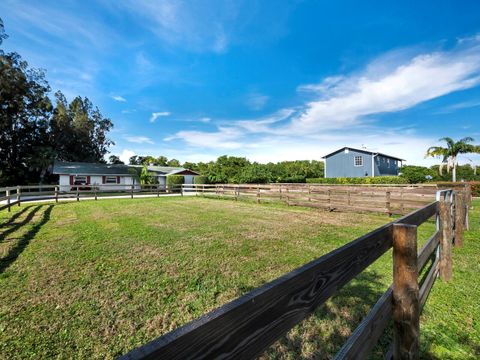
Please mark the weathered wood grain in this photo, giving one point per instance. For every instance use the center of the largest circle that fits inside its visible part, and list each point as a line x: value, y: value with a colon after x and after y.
x: 445, y: 266
x: 406, y: 310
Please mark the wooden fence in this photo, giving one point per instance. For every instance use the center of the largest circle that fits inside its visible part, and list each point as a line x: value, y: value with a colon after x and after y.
x: 10, y: 196
x: 390, y: 199
x: 247, y: 326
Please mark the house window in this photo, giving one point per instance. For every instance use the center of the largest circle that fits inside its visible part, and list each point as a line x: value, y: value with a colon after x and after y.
x: 358, y: 161
x: 110, y: 179
x: 388, y: 162
x: 80, y: 180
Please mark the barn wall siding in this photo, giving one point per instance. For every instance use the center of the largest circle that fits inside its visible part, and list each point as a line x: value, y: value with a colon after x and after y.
x: 341, y: 164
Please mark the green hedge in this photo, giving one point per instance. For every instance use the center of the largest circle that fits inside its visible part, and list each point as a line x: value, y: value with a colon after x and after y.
x: 173, y: 180
x: 364, y: 180
x: 200, y: 179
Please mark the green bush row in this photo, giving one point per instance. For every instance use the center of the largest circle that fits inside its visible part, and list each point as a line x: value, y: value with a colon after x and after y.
x: 173, y: 180
x: 363, y: 180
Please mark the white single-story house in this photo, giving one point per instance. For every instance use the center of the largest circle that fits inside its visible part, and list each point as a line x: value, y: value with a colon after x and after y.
x: 72, y: 174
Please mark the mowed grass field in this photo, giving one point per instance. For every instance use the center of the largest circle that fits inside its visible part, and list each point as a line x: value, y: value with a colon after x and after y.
x: 96, y: 279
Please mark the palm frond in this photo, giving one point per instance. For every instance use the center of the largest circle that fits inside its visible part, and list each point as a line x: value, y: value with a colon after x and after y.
x: 449, y: 142
x: 466, y: 139
x: 436, y: 151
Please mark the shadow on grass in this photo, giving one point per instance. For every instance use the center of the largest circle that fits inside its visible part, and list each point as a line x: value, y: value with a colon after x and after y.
x: 15, y: 216
x: 24, y: 239
x: 322, y: 334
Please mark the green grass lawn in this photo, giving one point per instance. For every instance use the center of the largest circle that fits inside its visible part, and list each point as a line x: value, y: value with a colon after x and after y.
x: 96, y: 279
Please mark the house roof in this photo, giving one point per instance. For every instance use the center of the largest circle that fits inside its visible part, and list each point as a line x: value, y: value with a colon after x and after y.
x: 82, y: 168
x: 168, y: 170
x: 364, y: 151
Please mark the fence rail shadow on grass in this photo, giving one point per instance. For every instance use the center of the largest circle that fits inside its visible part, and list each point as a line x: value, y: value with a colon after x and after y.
x: 247, y: 326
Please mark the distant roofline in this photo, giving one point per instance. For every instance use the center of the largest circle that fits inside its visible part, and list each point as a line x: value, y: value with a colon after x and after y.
x: 364, y: 151
x: 61, y: 168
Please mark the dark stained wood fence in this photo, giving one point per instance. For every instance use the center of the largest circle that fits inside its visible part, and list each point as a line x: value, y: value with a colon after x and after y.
x: 390, y: 199
x: 247, y: 326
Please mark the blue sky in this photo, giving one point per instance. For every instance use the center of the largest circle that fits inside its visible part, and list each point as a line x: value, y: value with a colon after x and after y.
x: 268, y: 80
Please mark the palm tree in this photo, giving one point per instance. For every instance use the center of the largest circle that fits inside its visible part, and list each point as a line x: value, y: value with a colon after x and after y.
x: 450, y: 153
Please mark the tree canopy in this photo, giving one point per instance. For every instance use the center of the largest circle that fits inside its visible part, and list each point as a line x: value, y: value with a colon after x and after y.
x: 36, y: 129
x: 449, y: 154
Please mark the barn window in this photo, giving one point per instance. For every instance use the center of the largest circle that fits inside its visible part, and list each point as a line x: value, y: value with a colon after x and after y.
x: 358, y: 161
x: 80, y: 180
x: 110, y: 179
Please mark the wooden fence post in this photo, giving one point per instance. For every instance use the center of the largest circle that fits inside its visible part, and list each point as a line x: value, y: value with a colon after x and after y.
x: 19, y: 195
x: 459, y: 218
x: 445, y: 263
x: 309, y: 193
x: 402, y: 205
x: 258, y: 194
x: 349, y: 201
x: 56, y: 194
x: 387, y: 203
x: 7, y: 194
x: 131, y: 192
x: 329, y: 199
x: 406, y: 307
x: 78, y: 195
x: 95, y: 192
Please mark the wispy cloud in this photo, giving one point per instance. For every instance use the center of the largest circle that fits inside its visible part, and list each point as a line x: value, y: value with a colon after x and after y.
x: 341, y: 106
x: 119, y: 98
x: 257, y: 101
x: 139, y: 139
x: 459, y: 106
x: 156, y: 115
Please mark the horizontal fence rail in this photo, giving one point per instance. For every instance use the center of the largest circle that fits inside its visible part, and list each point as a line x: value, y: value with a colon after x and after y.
x: 375, y: 198
x: 10, y: 196
x: 247, y: 326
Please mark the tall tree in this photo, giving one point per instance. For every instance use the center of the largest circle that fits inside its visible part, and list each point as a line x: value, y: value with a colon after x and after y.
x: 79, y: 131
x: 449, y: 154
x: 24, y: 112
x: 115, y: 160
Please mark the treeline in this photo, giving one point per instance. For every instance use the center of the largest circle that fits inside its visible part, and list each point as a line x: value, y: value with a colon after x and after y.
x: 36, y: 128
x: 236, y: 170
x: 421, y: 174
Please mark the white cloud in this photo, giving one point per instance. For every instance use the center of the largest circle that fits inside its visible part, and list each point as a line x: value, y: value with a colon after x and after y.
x: 224, y: 138
x: 139, y: 139
x: 126, y: 154
x: 341, y: 106
x: 119, y: 98
x: 205, y: 119
x: 423, y: 78
x: 156, y: 115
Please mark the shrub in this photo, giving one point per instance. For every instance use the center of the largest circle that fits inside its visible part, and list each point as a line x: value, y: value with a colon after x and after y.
x: 365, y: 180
x: 174, y: 180
x: 200, y: 179
x: 475, y: 188
x: 417, y: 174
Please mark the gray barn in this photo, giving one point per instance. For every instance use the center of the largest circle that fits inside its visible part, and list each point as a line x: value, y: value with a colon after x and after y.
x: 350, y: 162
